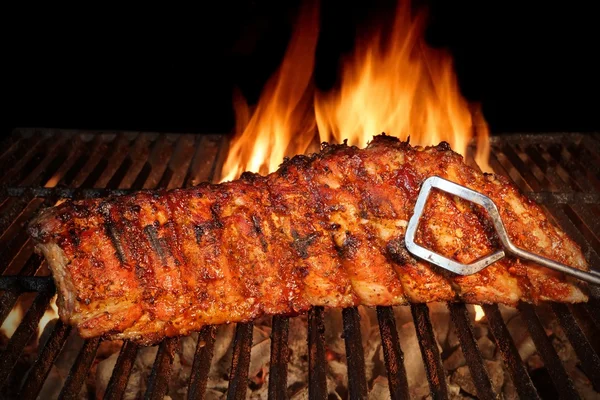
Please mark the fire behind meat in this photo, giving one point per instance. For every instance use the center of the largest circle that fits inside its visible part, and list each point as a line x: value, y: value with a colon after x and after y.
x: 325, y: 229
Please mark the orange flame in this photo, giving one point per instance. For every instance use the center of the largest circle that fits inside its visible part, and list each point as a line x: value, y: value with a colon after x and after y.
x: 399, y: 86
x: 403, y: 88
x: 282, y: 124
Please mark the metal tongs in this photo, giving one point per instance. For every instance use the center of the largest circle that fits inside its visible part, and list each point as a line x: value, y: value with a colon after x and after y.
x: 478, y: 265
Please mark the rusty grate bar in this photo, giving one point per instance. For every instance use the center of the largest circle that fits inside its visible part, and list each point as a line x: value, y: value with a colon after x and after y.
x: 429, y: 351
x: 317, y: 363
x: 392, y: 353
x: 43, y: 364
x: 590, y: 362
x: 158, y: 383
x: 202, y: 361
x: 240, y: 361
x: 80, y: 370
x: 280, y: 355
x: 560, y: 379
x: 355, y: 357
x: 23, y: 334
x: 510, y: 354
x: 120, y: 375
x: 481, y: 378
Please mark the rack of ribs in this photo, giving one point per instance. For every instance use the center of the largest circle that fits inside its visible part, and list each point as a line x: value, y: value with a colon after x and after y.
x: 325, y: 229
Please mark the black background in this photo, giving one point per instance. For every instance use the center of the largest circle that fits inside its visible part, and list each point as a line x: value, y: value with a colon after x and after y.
x: 533, y: 67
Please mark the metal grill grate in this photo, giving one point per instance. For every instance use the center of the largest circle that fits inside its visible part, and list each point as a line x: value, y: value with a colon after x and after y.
x: 561, y: 171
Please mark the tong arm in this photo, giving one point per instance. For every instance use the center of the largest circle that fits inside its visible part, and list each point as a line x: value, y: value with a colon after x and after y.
x: 492, y: 210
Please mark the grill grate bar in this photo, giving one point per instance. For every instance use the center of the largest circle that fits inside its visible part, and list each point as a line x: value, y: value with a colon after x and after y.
x: 238, y: 377
x: 121, y: 372
x: 593, y: 309
x: 7, y: 303
x: 280, y: 355
x: 100, y: 167
x: 587, y: 324
x: 574, y: 168
x: 549, y: 169
x: 502, y: 166
x: 13, y: 148
x: 317, y: 363
x: 510, y: 354
x: 80, y: 370
x: 158, y: 383
x: 43, y: 364
x: 147, y: 168
x: 9, y: 298
x: 14, y: 207
x: 561, y: 380
x: 202, y: 361
x: 18, y: 166
x: 523, y: 169
x: 162, y: 158
x: 40, y: 166
x: 392, y: 353
x: 355, y: 357
x: 429, y: 351
x: 590, y: 362
x: 22, y: 335
x: 181, y: 161
x: 481, y: 378
x: 559, y: 215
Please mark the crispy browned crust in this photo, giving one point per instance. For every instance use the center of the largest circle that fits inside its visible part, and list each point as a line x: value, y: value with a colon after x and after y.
x: 325, y: 229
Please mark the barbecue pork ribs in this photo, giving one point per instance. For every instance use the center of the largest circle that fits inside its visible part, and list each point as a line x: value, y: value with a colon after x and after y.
x: 325, y: 229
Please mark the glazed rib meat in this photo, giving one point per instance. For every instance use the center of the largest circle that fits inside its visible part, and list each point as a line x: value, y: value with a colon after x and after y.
x: 325, y: 229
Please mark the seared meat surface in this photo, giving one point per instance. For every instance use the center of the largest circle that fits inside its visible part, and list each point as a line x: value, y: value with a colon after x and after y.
x: 325, y: 229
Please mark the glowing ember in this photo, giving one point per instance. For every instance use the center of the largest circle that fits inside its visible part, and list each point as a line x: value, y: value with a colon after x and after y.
x: 403, y: 88
x: 479, y: 314
x: 50, y: 314
x: 11, y: 323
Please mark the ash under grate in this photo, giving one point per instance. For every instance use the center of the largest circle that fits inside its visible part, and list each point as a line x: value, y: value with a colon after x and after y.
x: 561, y: 171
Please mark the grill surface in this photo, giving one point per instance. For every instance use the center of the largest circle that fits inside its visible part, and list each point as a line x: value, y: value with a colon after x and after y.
x: 560, y: 171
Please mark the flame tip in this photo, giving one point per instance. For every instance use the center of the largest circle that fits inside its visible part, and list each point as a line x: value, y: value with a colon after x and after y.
x: 395, y: 85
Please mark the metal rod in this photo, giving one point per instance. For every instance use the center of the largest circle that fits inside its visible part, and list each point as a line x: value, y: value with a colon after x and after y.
x: 280, y: 355
x: 317, y: 363
x: 80, y: 369
x: 202, y: 361
x: 481, y: 378
x: 560, y: 379
x: 121, y: 372
x: 392, y: 354
x: 510, y: 354
x: 355, y: 357
x: 240, y: 361
x: 22, y: 335
x: 43, y: 364
x: 429, y: 351
x: 158, y: 383
x: 590, y: 362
